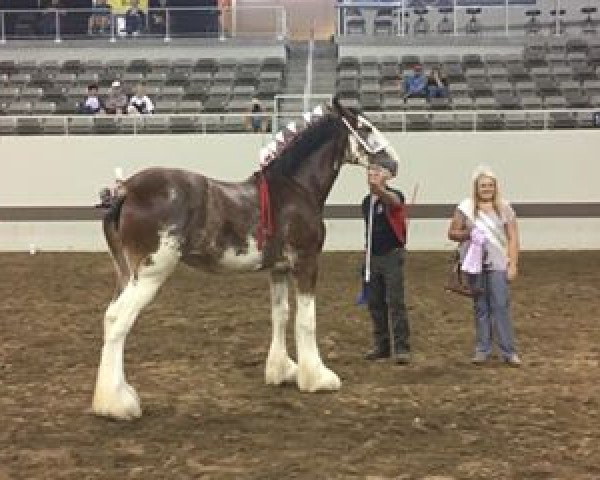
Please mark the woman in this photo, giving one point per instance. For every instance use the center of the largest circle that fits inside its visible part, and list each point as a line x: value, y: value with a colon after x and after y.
x: 437, y: 84
x: 486, y: 227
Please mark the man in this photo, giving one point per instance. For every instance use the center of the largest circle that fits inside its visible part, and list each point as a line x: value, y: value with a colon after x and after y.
x: 256, y: 121
x: 134, y: 19
x: 385, y: 248
x: 116, y: 102
x: 415, y: 83
x: 99, y: 20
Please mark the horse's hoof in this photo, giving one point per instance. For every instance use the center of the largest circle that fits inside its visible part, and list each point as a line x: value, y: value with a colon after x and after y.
x: 280, y: 372
x: 318, y: 379
x: 122, y: 403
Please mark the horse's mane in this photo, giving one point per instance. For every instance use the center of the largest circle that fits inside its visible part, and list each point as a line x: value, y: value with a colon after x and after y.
x: 302, y: 145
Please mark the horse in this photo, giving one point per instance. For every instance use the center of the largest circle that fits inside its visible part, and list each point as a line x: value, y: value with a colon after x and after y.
x: 271, y: 221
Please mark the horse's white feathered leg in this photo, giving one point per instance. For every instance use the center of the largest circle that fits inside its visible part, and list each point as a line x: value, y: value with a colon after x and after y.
x: 113, y: 396
x: 280, y: 367
x: 313, y: 375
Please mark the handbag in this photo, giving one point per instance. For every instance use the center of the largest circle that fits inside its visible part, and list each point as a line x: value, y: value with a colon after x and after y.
x: 457, y: 280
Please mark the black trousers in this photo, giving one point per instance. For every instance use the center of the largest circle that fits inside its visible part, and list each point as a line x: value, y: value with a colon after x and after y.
x: 386, y: 302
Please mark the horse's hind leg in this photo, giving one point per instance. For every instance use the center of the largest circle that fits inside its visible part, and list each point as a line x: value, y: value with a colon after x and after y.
x: 113, y: 396
x: 280, y: 367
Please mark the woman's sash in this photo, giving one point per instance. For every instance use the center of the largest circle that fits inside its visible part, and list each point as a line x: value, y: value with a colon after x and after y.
x: 484, y: 222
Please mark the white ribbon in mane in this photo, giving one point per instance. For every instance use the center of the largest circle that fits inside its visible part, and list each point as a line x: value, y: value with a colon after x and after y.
x: 484, y: 222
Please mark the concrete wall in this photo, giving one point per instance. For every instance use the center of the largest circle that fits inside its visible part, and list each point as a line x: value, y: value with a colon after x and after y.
x: 558, y: 167
x: 150, y: 49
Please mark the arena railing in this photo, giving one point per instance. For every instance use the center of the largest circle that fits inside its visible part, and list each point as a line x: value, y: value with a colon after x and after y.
x: 495, y: 18
x: 425, y: 120
x: 264, y: 21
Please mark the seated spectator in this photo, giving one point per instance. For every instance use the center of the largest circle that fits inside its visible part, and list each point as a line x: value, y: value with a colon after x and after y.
x: 256, y: 122
x: 47, y: 19
x: 437, y: 84
x: 415, y: 83
x: 116, y: 102
x: 140, y: 103
x: 92, y: 104
x: 99, y: 21
x: 134, y: 19
x: 157, y: 19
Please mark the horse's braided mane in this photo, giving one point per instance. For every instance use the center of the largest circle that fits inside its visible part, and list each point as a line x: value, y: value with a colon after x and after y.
x: 304, y: 142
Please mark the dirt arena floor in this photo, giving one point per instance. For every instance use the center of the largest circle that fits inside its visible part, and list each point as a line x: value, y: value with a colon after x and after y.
x: 197, y: 357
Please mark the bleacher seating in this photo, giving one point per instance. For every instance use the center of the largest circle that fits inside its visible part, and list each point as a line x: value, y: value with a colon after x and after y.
x: 24, y: 86
x: 552, y: 74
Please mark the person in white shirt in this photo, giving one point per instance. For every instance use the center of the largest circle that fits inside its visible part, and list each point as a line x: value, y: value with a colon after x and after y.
x: 486, y: 215
x: 140, y: 103
x: 92, y: 103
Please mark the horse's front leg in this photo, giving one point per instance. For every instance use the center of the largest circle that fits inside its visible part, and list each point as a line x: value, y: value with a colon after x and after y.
x: 280, y: 367
x: 313, y: 375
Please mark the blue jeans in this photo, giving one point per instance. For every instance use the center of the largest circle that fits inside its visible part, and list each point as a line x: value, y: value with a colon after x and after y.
x: 437, y: 92
x: 492, y: 305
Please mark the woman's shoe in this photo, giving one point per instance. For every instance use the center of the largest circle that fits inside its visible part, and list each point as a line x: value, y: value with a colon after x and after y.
x: 513, y: 360
x: 479, y: 358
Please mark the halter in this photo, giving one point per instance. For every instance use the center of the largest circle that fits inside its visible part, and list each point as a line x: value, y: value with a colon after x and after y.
x: 374, y: 144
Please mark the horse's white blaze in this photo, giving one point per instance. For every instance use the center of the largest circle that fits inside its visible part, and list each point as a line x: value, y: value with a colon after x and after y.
x: 376, y: 138
x: 280, y: 367
x: 313, y: 375
x: 357, y: 153
x: 249, y: 260
x: 113, y: 396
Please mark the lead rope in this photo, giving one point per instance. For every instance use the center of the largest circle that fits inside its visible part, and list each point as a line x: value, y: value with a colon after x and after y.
x: 369, y: 239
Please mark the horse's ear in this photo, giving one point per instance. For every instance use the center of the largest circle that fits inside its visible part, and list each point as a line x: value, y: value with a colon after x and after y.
x: 343, y: 111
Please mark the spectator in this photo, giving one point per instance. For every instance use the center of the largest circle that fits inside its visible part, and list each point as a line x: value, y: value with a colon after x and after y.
x: 256, y: 121
x: 92, y: 104
x: 415, y: 83
x: 134, y: 19
x: 116, y: 102
x: 100, y: 19
x: 140, y: 103
x: 157, y: 17
x: 437, y: 84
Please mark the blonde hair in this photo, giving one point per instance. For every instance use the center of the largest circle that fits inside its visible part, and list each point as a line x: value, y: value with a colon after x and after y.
x: 480, y: 172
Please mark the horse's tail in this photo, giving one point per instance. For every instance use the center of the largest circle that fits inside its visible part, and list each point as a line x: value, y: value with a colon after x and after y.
x: 110, y: 225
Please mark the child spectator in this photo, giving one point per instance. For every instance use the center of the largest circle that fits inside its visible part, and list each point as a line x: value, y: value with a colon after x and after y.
x: 92, y: 104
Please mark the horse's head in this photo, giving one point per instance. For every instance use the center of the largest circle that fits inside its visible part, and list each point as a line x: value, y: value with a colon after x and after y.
x: 366, y: 144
